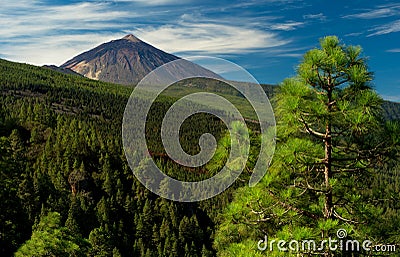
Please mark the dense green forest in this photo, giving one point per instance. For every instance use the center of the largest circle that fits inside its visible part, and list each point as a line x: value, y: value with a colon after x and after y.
x: 63, y: 167
x: 67, y: 190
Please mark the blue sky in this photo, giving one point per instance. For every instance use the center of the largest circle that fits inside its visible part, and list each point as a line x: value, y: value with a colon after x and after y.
x: 267, y: 37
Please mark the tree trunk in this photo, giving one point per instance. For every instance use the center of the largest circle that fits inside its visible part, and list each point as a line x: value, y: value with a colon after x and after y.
x: 328, y: 160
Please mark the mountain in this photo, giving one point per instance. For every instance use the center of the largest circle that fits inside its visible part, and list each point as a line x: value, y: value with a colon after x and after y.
x: 122, y: 61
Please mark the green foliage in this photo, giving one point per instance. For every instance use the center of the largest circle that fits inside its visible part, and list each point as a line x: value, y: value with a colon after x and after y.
x: 49, y: 238
x: 13, y: 217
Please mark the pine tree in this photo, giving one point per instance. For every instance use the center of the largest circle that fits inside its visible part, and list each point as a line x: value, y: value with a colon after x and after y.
x: 329, y: 142
x: 144, y: 225
x: 17, y: 145
x: 71, y: 223
x: 101, y: 243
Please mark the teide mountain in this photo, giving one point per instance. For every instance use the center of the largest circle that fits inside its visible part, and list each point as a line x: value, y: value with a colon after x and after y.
x: 123, y: 61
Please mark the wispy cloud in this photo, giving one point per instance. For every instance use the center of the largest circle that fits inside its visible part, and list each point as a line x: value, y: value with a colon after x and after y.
x: 373, y: 14
x: 209, y: 38
x: 380, y: 11
x: 50, y: 49
x: 291, y: 25
x: 318, y: 16
x: 154, y: 2
x: 395, y: 50
x: 354, y: 34
x: 36, y: 20
x: 391, y: 27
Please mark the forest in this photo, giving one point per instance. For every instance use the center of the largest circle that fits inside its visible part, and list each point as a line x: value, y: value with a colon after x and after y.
x: 67, y: 190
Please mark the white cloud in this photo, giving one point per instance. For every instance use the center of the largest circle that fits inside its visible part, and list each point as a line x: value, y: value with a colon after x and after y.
x: 395, y: 50
x: 7, y: 4
x: 40, y: 20
x: 354, y: 34
x: 85, y: 12
x: 386, y: 28
x: 318, y: 16
x: 287, y: 26
x: 52, y: 50
x: 209, y: 38
x: 155, y: 2
x: 292, y: 55
x: 374, y: 14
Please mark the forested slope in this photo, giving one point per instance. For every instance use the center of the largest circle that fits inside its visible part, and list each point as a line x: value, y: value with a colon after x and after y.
x: 65, y: 183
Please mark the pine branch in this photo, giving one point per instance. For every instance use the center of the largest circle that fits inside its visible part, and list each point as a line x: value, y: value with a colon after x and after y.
x: 310, y: 130
x: 344, y: 219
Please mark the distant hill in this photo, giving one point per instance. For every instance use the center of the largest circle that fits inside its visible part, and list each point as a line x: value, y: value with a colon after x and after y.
x: 62, y: 70
x: 391, y: 110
